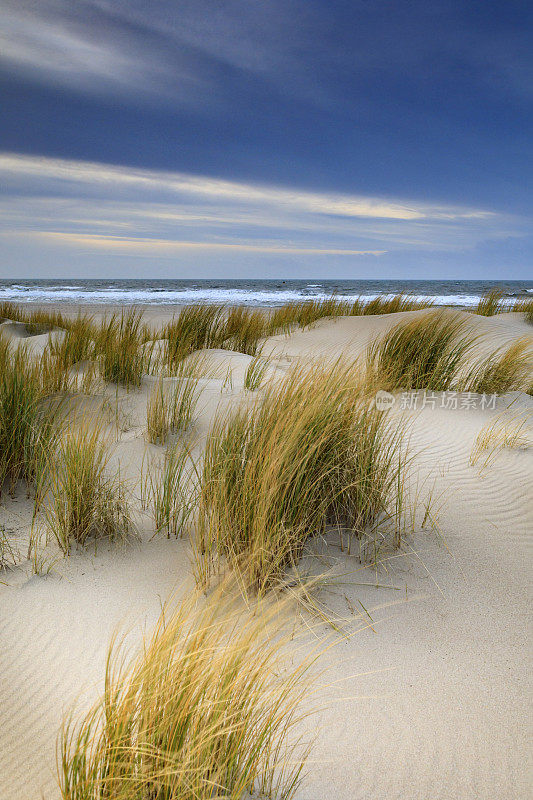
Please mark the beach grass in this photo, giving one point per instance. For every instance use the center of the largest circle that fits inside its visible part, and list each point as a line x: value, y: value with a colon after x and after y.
x: 311, y: 451
x: 525, y: 307
x: 389, y: 304
x: 304, y: 313
x: 506, y: 431
x: 77, y: 496
x: 185, y: 395
x: 506, y: 369
x: 491, y: 303
x: 168, y: 490
x: 255, y: 373
x: 424, y: 353
x: 118, y: 346
x: 209, y: 708
x: 196, y: 327
x: 157, y: 420
x: 27, y: 422
x: 171, y: 407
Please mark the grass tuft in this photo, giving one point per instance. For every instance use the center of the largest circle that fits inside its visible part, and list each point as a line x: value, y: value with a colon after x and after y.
x: 504, y: 432
x: 505, y: 370
x: 255, y: 373
x: 167, y: 489
x: 491, y: 303
x: 312, y: 451
x: 525, y: 307
x: 27, y: 418
x: 195, y: 328
x: 119, y: 348
x: 424, y: 353
x: 157, y: 421
x: 171, y: 409
x: 76, y: 496
x: 208, y: 709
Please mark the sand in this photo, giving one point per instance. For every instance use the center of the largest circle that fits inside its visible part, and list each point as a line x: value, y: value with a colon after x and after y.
x: 429, y: 702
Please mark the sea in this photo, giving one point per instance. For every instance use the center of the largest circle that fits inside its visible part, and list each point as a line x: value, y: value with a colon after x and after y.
x: 256, y: 292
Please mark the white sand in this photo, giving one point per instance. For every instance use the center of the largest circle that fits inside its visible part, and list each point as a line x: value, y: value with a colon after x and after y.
x: 432, y: 703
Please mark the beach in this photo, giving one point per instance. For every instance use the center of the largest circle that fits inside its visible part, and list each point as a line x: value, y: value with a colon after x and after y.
x: 426, y: 693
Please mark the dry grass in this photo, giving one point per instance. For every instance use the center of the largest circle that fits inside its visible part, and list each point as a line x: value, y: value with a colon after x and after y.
x: 208, y: 709
x: 491, y: 303
x: 119, y: 349
x: 184, y: 398
x: 157, y: 421
x: 195, y: 328
x: 243, y: 329
x: 171, y: 409
x: 424, y: 353
x: 168, y: 489
x: 9, y: 555
x: 76, y: 495
x: 27, y: 421
x: 506, y: 431
x: 505, y: 370
x: 311, y: 451
x: 525, y: 307
x: 306, y: 312
x: 255, y: 373
x: 390, y: 304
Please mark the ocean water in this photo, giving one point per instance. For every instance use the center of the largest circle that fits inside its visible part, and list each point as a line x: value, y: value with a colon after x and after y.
x: 249, y: 292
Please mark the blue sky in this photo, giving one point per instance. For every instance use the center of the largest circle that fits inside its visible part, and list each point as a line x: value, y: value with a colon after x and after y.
x: 281, y: 138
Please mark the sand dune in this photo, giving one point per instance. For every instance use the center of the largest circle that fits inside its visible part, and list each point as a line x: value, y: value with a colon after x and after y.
x: 430, y: 702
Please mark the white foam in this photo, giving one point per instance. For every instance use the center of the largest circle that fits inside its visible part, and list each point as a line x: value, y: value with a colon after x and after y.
x: 230, y: 296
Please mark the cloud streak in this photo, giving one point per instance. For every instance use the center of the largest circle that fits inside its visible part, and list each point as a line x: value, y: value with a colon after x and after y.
x: 80, y: 208
x: 83, y: 175
x: 147, y: 245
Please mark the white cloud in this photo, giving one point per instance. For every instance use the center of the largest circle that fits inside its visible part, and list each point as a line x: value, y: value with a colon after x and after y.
x: 97, y: 207
x: 84, y: 175
x: 144, y: 244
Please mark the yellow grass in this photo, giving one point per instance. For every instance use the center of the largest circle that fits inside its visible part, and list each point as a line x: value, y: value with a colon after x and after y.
x: 424, y: 353
x: 506, y: 431
x: 168, y: 488
x: 491, y: 303
x: 311, y: 451
x: 207, y: 709
x: 507, y: 369
x: 77, y: 496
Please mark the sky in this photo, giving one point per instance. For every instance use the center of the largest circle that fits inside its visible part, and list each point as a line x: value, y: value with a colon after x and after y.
x: 266, y: 138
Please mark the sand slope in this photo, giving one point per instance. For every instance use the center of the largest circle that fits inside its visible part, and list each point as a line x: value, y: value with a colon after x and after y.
x: 430, y: 704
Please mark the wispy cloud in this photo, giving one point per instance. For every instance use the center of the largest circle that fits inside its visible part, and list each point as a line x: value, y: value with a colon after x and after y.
x: 84, y: 176
x: 181, y: 50
x: 150, y: 245
x: 83, y: 208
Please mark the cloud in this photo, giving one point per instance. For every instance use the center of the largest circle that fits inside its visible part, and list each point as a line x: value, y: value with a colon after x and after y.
x: 148, y: 245
x: 86, y: 207
x: 83, y: 176
x: 189, y: 52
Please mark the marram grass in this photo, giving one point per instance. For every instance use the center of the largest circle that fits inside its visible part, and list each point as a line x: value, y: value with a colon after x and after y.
x: 77, y: 497
x: 255, y: 373
x: 119, y: 349
x: 157, y: 419
x: 507, y: 431
x: 506, y: 369
x: 491, y: 303
x: 525, y: 307
x: 424, y: 353
x: 172, y: 404
x: 209, y: 708
x: 168, y: 489
x: 28, y: 420
x: 311, y: 451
